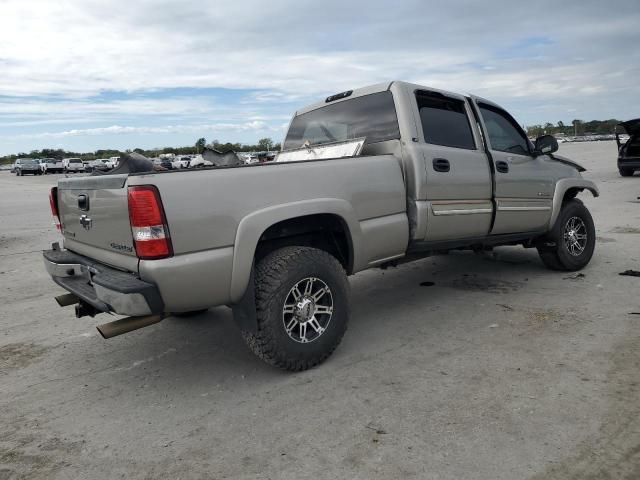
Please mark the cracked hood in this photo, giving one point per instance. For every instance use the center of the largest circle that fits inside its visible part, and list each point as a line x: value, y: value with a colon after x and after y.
x: 567, y: 161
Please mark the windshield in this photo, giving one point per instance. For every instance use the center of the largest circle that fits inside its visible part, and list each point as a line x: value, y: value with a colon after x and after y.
x: 75, y: 160
x: 371, y: 116
x: 28, y: 162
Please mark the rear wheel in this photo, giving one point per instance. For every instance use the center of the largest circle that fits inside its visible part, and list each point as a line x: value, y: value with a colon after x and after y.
x: 573, y: 238
x: 625, y: 172
x: 302, y: 304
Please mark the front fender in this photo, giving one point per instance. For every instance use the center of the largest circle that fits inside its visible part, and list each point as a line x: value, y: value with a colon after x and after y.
x: 562, y: 187
x: 251, y: 228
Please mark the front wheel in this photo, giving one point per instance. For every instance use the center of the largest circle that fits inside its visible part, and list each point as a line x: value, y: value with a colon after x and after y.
x: 302, y: 305
x: 625, y: 172
x: 573, y: 239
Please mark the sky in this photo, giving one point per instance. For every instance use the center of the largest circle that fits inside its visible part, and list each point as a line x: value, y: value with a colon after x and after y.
x: 89, y: 74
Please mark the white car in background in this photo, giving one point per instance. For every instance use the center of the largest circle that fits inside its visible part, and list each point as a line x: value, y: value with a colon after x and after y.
x: 112, y: 162
x: 72, y: 165
x: 51, y: 165
x: 199, y: 162
x: 181, y: 162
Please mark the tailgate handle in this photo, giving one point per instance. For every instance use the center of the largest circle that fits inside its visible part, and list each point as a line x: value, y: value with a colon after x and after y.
x: 441, y: 165
x: 83, y: 202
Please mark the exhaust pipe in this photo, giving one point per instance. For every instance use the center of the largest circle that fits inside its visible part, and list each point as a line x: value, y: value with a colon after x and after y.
x: 67, y: 299
x: 125, y: 325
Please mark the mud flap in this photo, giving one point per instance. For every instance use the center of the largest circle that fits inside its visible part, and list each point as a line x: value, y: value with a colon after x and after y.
x: 244, y: 312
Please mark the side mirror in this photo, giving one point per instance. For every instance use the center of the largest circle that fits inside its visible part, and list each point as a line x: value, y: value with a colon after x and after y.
x: 546, y: 144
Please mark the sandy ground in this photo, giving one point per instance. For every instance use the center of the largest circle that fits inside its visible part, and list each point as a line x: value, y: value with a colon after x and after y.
x: 501, y: 370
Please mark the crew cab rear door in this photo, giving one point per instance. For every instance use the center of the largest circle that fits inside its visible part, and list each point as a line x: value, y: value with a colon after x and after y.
x: 523, y: 187
x: 458, y: 175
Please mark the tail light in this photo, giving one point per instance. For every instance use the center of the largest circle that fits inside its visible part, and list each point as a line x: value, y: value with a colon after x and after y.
x: 148, y: 223
x: 53, y: 201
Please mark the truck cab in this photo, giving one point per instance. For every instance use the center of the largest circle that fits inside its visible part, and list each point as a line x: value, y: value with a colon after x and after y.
x: 470, y: 170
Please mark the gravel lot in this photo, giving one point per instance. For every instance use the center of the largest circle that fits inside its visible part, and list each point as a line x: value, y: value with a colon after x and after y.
x: 501, y: 370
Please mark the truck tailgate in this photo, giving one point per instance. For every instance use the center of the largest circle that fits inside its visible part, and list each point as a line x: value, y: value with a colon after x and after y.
x: 94, y: 214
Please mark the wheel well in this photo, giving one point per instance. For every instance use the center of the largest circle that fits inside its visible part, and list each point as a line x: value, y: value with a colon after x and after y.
x: 571, y: 193
x: 323, y: 231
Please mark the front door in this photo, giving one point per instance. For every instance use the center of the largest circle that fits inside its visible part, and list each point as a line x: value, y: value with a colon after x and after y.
x: 458, y: 185
x: 523, y: 191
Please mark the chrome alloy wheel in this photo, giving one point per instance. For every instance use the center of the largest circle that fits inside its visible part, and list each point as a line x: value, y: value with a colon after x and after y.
x: 307, y: 310
x: 575, y: 236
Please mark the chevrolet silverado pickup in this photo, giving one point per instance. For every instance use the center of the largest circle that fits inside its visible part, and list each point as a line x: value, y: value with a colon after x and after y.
x: 276, y: 241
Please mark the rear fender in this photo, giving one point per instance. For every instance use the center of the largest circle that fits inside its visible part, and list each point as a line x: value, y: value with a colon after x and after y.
x: 254, y: 225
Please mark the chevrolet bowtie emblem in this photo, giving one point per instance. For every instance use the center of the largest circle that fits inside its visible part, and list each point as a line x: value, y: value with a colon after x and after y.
x: 86, y: 222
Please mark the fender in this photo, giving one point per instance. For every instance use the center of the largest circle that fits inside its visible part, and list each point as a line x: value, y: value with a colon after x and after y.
x: 564, y: 185
x: 251, y: 228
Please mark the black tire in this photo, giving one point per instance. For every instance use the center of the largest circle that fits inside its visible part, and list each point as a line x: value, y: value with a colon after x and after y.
x: 626, y: 172
x: 276, y: 275
x: 562, y: 256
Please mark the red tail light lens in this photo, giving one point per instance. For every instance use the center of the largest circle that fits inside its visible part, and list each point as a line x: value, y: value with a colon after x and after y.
x: 148, y: 223
x: 53, y: 201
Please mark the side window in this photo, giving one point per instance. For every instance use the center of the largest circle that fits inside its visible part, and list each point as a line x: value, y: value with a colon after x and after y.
x: 503, y: 132
x: 444, y: 121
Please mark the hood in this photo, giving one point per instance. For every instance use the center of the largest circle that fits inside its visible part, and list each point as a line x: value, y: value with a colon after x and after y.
x: 632, y: 127
x: 567, y: 161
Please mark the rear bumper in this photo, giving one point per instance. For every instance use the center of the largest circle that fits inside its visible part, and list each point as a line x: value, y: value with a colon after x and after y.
x: 103, y: 287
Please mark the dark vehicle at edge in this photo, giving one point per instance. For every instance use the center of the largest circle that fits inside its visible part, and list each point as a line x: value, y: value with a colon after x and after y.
x: 629, y: 152
x: 27, y: 165
x: 166, y: 163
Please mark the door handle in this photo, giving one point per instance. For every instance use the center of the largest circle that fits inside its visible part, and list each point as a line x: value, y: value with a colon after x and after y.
x: 441, y: 165
x: 502, y: 166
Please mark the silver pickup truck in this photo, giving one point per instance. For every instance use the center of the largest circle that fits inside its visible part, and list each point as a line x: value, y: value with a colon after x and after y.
x: 276, y: 241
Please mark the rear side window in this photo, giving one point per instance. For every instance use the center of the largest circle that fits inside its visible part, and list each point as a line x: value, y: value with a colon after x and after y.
x: 444, y: 121
x: 371, y: 116
x: 503, y: 131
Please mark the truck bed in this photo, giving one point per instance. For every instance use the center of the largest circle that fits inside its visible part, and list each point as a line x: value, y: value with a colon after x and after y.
x: 217, y: 215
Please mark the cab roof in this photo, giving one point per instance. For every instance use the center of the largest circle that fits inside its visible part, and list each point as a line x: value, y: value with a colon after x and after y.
x: 377, y: 88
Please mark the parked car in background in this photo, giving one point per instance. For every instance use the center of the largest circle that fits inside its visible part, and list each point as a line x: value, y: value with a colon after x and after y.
x: 199, y: 162
x: 166, y: 163
x: 51, y: 165
x: 629, y: 151
x: 181, y: 162
x: 25, y: 166
x: 101, y: 165
x: 73, y: 165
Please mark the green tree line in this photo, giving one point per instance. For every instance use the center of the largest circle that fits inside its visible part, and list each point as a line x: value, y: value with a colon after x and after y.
x: 575, y: 128
x: 262, y: 145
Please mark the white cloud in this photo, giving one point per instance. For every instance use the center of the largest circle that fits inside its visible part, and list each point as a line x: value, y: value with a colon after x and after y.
x: 57, y: 58
x: 124, y: 130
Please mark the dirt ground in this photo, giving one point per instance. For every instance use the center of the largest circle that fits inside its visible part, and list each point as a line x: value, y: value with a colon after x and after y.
x: 499, y: 370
